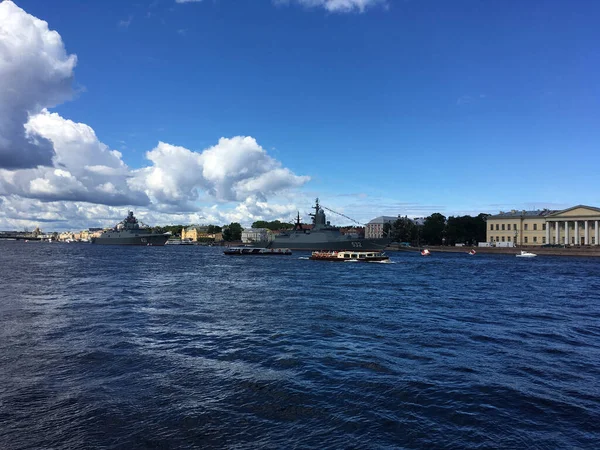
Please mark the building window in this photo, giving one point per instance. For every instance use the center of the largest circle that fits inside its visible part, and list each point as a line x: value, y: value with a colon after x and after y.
x: 535, y: 239
x: 544, y: 227
x: 535, y: 226
x: 497, y: 227
x: 593, y: 240
x: 515, y: 226
x: 502, y: 238
x: 526, y: 238
x: 502, y: 227
x: 508, y: 227
x: 508, y: 239
x: 525, y: 227
x: 491, y: 227
x: 544, y: 240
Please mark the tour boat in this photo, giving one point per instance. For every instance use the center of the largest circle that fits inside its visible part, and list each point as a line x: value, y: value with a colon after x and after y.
x: 349, y: 256
x: 257, y: 251
x: 425, y: 252
x: 525, y: 254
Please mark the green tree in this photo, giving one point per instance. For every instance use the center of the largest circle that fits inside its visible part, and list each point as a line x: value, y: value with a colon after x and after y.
x: 213, y: 229
x: 273, y: 225
x: 481, y: 225
x: 433, y: 229
x: 175, y: 230
x: 402, y: 230
x: 466, y: 229
x: 232, y: 232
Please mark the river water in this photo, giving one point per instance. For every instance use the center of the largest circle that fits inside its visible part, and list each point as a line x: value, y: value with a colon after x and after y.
x: 183, y: 347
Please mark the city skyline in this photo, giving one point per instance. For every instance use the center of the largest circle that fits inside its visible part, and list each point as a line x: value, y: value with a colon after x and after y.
x: 215, y: 111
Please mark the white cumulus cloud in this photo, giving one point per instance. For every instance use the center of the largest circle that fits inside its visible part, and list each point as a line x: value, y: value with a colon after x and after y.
x: 84, y: 168
x: 232, y: 170
x: 35, y: 73
x: 57, y: 171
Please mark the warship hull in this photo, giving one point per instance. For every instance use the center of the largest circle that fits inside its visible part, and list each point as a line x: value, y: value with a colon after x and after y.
x: 124, y: 239
x: 321, y: 241
x: 322, y: 237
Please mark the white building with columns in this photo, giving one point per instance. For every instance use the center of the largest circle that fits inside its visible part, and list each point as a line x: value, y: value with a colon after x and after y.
x: 574, y: 226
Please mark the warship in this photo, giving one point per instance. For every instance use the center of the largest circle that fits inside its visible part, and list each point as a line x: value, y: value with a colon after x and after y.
x: 129, y: 232
x: 322, y: 236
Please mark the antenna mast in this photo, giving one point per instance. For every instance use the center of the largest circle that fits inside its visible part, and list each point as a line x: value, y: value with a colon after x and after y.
x: 343, y: 215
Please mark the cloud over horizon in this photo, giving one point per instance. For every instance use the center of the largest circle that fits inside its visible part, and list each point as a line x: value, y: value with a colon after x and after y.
x: 52, y: 167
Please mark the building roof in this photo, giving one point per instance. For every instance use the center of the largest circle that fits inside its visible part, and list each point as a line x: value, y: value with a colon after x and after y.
x: 201, y: 228
x: 562, y: 211
x: 521, y: 213
x: 383, y: 219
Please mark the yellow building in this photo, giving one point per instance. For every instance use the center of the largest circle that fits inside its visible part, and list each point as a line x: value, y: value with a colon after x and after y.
x: 66, y: 235
x: 199, y: 233
x: 573, y: 226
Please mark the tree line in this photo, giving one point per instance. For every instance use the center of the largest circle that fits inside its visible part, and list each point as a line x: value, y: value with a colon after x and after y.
x: 436, y: 229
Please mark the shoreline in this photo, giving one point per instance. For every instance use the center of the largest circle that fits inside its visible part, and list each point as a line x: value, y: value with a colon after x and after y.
x: 590, y: 251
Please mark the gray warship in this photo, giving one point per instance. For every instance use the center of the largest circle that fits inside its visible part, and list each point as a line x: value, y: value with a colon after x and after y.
x: 322, y: 236
x: 129, y: 232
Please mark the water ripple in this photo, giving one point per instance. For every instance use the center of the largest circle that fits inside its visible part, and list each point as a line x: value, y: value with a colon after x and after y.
x: 114, y: 348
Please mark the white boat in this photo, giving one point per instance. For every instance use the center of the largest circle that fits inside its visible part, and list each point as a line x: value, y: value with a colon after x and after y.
x: 349, y: 256
x: 472, y: 252
x: 525, y: 254
x: 425, y: 252
x: 256, y: 251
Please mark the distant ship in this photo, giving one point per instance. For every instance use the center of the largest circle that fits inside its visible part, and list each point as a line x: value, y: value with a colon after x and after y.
x: 322, y: 236
x: 129, y: 232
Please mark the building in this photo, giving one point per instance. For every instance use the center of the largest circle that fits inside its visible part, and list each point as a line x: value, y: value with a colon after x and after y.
x: 255, y: 235
x: 354, y: 232
x: 66, y: 235
x: 374, y: 229
x: 199, y: 233
x: 573, y: 226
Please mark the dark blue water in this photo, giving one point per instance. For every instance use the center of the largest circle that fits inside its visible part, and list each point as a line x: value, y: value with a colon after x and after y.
x: 183, y: 347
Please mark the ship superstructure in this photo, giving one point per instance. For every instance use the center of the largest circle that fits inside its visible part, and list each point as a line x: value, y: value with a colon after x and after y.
x: 322, y: 236
x: 130, y: 232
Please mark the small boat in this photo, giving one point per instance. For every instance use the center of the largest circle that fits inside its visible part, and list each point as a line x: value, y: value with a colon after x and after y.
x: 472, y: 252
x: 425, y: 252
x: 349, y: 256
x: 257, y: 251
x: 525, y: 254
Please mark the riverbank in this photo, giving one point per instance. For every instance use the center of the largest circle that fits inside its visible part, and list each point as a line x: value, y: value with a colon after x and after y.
x: 549, y: 251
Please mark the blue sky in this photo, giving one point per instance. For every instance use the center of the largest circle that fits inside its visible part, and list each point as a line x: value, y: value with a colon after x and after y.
x: 407, y: 107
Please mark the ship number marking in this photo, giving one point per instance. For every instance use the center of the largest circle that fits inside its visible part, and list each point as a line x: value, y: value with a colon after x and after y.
x: 357, y: 244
